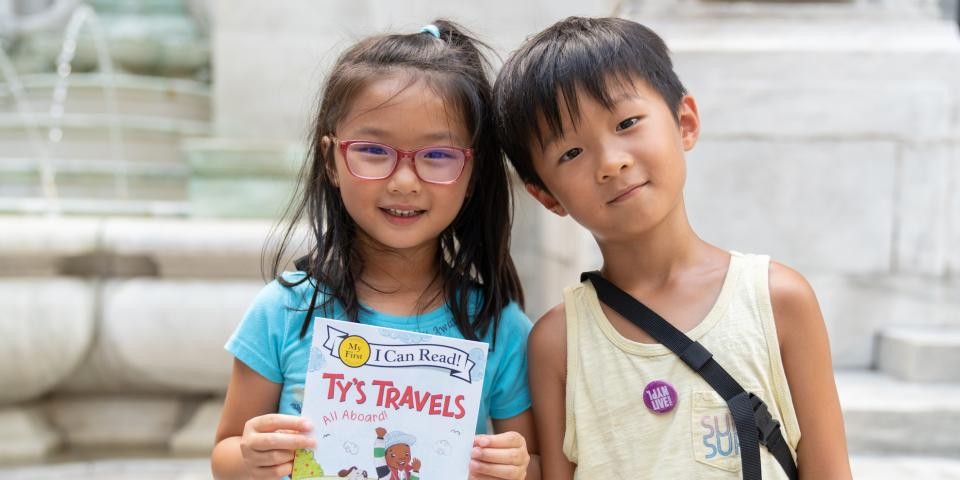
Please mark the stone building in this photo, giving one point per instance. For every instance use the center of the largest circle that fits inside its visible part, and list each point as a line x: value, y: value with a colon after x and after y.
x: 147, y: 147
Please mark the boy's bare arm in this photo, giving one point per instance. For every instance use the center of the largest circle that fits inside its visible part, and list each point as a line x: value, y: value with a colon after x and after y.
x: 822, y: 451
x: 547, y: 351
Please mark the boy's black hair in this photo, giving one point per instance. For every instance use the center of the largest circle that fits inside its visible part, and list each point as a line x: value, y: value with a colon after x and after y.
x: 541, y: 79
x: 474, y: 253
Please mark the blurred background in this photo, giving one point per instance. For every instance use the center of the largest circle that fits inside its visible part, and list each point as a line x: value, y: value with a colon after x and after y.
x: 147, y: 148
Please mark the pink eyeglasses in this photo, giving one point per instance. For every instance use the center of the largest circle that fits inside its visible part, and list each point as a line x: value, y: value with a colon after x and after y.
x: 376, y: 161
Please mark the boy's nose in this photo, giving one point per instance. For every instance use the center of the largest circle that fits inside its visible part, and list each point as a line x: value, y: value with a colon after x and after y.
x: 612, y: 164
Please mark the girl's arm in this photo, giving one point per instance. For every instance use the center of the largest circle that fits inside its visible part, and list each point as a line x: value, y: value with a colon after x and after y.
x: 805, y: 349
x: 547, y: 351
x: 252, y: 441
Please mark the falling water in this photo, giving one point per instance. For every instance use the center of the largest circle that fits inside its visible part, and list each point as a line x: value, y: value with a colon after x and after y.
x: 85, y: 14
x: 47, y: 184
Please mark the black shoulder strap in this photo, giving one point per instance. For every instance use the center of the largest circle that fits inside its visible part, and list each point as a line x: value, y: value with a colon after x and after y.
x: 749, y: 412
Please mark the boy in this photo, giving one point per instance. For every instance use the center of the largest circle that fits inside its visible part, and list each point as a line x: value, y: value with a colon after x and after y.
x: 596, y: 124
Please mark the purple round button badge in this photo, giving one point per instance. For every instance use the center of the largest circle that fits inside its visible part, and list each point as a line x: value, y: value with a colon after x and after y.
x: 659, y: 396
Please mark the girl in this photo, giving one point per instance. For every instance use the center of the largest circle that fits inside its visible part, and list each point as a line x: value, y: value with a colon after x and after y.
x: 408, y: 203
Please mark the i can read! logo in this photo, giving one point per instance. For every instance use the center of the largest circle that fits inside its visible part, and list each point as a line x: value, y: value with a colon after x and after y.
x: 354, y: 351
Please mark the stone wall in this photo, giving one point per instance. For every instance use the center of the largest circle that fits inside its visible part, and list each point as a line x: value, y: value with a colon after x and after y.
x: 114, y: 330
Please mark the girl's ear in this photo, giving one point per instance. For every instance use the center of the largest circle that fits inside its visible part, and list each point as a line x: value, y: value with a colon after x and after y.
x: 689, y: 121
x: 330, y: 163
x: 546, y: 199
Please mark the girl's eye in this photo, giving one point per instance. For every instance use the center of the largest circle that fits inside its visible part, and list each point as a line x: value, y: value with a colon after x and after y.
x: 627, y: 123
x: 372, y: 150
x: 570, y: 154
x: 437, y: 154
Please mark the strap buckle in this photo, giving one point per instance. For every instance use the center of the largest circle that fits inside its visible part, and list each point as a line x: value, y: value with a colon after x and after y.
x: 767, y: 426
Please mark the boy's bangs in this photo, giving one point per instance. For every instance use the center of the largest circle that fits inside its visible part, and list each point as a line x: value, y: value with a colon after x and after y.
x: 591, y: 66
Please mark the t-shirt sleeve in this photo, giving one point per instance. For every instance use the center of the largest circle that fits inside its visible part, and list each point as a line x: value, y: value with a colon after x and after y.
x: 510, y: 393
x: 257, y: 341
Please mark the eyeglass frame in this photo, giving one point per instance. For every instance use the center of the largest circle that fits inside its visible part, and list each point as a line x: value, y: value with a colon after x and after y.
x: 412, y: 154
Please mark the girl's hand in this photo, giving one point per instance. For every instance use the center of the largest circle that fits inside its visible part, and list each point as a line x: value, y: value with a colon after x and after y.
x: 269, y: 443
x: 502, y: 456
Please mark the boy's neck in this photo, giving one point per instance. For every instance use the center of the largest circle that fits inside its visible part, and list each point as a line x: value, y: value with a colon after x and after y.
x: 655, y: 258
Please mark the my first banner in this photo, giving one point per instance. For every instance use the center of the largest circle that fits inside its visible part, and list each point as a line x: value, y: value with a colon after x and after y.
x: 355, y: 351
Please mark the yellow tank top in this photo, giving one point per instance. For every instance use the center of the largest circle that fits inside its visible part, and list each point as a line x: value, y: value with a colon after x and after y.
x: 610, y: 433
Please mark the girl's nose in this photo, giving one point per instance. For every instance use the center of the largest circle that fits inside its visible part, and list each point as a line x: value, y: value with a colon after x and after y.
x: 404, y: 179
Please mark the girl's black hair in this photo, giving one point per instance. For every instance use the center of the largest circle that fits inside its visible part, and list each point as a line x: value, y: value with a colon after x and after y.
x: 542, y: 78
x: 475, y: 248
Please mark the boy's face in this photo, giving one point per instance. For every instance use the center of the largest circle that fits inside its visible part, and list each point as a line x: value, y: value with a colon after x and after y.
x: 621, y: 171
x: 398, y: 456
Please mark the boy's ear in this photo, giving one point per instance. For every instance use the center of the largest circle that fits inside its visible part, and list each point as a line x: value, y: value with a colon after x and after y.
x: 330, y: 163
x: 689, y: 120
x: 546, y: 199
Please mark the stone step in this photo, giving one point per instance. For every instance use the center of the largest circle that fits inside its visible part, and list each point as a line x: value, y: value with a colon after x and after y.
x: 886, y: 416
x: 87, y: 93
x: 96, y: 136
x: 920, y: 354
x: 172, y: 248
x: 241, y: 178
x: 886, y: 467
x: 94, y: 206
x: 94, y: 179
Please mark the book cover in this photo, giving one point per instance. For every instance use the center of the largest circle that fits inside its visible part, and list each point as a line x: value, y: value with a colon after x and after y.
x: 389, y: 404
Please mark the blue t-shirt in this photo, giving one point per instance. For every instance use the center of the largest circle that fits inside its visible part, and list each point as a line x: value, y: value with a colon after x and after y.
x: 268, y: 341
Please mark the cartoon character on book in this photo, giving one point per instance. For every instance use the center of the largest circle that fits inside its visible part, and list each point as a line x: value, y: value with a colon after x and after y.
x: 392, y: 453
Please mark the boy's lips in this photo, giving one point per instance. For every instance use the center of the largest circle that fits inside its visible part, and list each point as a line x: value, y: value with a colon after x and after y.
x: 627, y: 192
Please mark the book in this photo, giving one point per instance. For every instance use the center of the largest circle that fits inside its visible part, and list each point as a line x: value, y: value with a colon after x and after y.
x: 389, y: 404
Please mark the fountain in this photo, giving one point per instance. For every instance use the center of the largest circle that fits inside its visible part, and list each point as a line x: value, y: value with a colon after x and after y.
x: 120, y: 156
x: 47, y: 184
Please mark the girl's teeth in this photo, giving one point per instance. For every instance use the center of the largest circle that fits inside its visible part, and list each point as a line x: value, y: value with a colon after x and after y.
x: 402, y: 213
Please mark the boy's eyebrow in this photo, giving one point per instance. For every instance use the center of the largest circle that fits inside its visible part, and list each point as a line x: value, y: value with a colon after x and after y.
x: 550, y: 136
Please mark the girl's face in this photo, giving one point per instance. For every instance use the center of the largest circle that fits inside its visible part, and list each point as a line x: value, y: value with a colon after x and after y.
x: 401, y: 211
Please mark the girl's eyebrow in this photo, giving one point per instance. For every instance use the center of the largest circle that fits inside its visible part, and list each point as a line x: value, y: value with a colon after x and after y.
x: 427, y: 137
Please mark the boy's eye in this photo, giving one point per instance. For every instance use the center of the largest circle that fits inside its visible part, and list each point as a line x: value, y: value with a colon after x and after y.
x: 627, y: 123
x: 570, y: 154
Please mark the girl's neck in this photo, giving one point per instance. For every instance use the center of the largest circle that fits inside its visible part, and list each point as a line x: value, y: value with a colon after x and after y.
x: 399, y: 282
x: 658, y: 256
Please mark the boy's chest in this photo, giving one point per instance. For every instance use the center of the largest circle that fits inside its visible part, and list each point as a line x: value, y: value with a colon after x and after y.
x: 684, y: 308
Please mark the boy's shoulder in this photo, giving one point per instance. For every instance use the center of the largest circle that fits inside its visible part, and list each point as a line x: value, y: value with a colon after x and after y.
x: 788, y: 287
x: 549, y: 334
x: 794, y: 303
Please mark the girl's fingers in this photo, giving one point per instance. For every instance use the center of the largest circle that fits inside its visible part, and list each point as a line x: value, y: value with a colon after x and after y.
x: 265, y: 442
x: 501, y: 456
x: 279, y: 457
x: 275, y: 421
x: 275, y: 471
x: 500, y: 440
x: 489, y: 471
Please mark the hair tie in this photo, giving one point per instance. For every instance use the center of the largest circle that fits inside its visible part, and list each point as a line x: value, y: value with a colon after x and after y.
x: 431, y: 29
